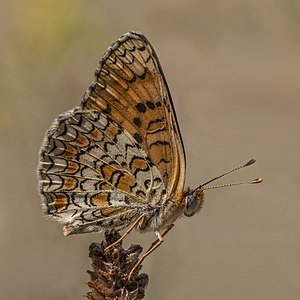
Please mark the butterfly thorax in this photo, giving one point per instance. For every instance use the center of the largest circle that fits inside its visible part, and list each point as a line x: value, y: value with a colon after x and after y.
x: 185, y: 203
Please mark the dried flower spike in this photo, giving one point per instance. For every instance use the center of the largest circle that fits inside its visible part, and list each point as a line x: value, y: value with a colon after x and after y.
x: 111, y: 268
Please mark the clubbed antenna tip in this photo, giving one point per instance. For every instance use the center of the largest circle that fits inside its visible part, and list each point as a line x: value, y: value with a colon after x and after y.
x: 257, y: 180
x: 250, y: 162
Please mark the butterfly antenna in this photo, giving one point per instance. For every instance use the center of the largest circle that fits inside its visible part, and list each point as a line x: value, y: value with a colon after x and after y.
x: 253, y: 181
x: 248, y: 163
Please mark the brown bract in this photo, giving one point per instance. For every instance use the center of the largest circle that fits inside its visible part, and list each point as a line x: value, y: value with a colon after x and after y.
x: 111, y: 268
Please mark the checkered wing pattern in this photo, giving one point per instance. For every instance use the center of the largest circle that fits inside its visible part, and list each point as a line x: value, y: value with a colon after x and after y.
x: 120, y: 153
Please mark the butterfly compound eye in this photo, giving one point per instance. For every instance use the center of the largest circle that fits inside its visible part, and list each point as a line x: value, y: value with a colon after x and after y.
x: 191, y: 205
x: 194, y: 202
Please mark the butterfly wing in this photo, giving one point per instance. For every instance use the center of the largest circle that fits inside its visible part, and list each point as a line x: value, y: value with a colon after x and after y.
x: 102, y: 163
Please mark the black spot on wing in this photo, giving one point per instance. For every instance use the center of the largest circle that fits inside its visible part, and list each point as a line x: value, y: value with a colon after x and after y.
x: 150, y: 104
x: 138, y: 137
x: 137, y: 121
x: 141, y: 107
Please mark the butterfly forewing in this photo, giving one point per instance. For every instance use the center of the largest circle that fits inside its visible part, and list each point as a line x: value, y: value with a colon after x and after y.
x: 131, y: 89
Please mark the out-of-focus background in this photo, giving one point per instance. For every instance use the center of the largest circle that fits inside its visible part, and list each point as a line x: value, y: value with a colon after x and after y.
x: 233, y: 68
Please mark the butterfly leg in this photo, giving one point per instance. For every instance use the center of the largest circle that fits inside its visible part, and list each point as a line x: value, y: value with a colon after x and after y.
x: 154, y: 245
x: 157, y: 240
x: 141, y: 217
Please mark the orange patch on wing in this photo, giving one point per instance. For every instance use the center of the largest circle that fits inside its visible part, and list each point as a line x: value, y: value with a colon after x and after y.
x: 112, y: 211
x: 60, y: 201
x: 161, y: 153
x: 125, y: 183
x: 107, y: 172
x: 70, y: 152
x: 112, y: 130
x: 81, y: 141
x: 105, y: 186
x: 100, y: 200
x: 70, y: 183
x: 138, y: 164
x: 95, y: 134
x: 72, y: 167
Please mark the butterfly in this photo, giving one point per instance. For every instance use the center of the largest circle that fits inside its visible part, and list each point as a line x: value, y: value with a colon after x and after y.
x: 117, y: 160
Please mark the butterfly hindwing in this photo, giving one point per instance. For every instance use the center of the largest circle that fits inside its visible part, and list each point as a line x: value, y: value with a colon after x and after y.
x: 88, y: 163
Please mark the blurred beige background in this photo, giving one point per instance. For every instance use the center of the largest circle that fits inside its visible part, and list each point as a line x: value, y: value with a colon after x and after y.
x: 233, y: 68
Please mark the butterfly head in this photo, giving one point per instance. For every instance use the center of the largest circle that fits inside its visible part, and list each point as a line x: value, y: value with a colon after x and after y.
x: 194, y: 201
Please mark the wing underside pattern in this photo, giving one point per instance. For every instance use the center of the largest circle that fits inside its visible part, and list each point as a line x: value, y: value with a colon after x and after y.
x: 103, y: 163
